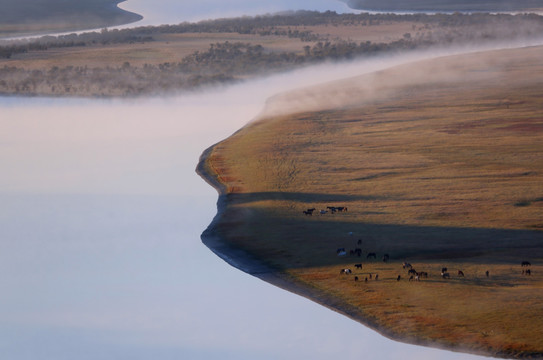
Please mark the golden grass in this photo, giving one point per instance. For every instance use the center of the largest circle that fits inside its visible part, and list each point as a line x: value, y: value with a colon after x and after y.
x: 173, y: 47
x: 440, y: 163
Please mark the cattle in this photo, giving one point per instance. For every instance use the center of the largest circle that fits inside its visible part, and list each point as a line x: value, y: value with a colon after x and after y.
x: 444, y: 270
x: 376, y: 277
x: 386, y: 257
x: 406, y: 265
x: 341, y: 209
x: 345, y: 271
x: 528, y: 272
x: 398, y: 278
x: 423, y: 274
x: 356, y: 278
x: 445, y: 275
x: 487, y: 273
x: 371, y: 255
x: 525, y: 263
x: 358, y: 266
x: 370, y: 276
x: 308, y: 212
x: 412, y: 271
x: 366, y: 279
x: 460, y: 273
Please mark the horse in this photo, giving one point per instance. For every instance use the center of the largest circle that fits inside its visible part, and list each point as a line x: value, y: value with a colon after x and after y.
x: 460, y: 273
x: 373, y: 255
x: 525, y: 263
x: 358, y: 266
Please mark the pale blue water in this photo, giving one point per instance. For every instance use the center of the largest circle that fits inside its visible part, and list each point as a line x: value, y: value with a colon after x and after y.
x: 175, y: 11
x: 100, y: 217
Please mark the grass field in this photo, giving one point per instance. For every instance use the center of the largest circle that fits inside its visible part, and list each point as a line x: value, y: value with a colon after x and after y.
x: 440, y: 164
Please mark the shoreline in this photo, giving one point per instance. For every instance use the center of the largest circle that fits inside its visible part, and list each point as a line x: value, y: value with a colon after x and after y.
x: 83, y: 19
x: 245, y: 262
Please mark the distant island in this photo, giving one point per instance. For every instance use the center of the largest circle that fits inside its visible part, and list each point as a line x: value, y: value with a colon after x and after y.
x: 446, y: 5
x: 23, y: 17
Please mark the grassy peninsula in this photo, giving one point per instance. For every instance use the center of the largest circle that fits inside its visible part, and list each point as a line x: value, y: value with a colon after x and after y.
x: 439, y: 164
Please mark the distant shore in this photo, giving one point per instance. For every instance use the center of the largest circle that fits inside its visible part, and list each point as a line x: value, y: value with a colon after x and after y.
x: 359, y: 154
x: 26, y: 18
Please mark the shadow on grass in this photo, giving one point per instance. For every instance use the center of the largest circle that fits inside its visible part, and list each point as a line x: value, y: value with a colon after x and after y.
x: 293, y: 240
x: 333, y: 199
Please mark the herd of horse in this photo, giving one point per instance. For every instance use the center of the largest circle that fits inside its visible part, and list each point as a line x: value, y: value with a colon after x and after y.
x: 412, y: 274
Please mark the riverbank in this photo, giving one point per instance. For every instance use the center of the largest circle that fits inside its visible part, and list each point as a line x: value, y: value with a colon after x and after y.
x: 452, y: 198
x: 26, y: 18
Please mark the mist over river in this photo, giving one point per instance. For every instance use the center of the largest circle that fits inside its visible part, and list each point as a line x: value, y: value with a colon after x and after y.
x: 101, y: 213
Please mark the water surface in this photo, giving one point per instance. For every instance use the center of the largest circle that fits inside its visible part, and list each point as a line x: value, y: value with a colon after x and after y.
x: 100, y: 257
x: 100, y: 217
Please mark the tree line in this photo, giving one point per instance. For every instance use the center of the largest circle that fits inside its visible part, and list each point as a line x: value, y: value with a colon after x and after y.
x: 227, y: 62
x: 265, y: 25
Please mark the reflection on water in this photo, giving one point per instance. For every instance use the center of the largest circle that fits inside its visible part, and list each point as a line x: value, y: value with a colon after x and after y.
x: 100, y: 257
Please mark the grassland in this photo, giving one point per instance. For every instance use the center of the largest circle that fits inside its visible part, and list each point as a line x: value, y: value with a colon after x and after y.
x: 440, y: 164
x: 168, y: 59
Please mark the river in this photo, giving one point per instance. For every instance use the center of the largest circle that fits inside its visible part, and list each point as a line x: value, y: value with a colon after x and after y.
x: 100, y: 220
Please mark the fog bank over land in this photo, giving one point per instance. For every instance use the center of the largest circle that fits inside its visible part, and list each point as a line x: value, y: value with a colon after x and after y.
x: 329, y: 89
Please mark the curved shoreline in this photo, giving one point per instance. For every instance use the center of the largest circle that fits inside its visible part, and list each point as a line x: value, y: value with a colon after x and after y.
x: 245, y: 262
x: 58, y: 20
